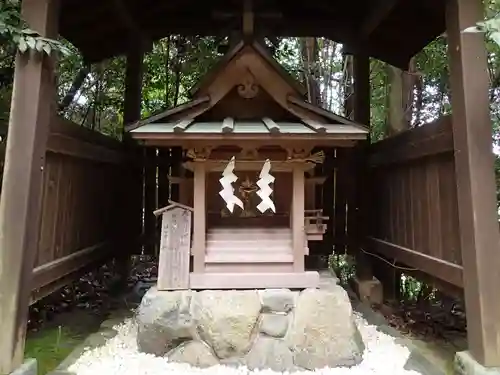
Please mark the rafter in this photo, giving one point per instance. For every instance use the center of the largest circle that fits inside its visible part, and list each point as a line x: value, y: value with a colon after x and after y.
x: 131, y: 24
x: 380, y: 11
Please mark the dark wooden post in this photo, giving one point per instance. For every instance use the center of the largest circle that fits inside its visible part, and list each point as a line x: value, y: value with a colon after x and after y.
x: 472, y: 137
x: 361, y: 73
x: 150, y: 163
x: 176, y: 167
x: 133, y: 200
x: 367, y: 288
x: 33, y: 105
x: 163, y: 192
x: 361, y: 70
x: 133, y: 86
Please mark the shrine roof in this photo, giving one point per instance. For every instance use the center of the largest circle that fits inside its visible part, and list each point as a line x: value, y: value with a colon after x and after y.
x: 264, y: 126
x: 248, y: 95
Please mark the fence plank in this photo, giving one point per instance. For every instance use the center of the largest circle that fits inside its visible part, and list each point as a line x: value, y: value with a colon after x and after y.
x: 415, y: 210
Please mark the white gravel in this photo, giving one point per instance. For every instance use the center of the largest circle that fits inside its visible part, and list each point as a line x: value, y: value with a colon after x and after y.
x: 119, y: 356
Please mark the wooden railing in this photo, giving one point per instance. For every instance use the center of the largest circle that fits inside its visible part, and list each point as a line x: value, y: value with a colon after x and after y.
x: 315, y: 224
x: 414, y: 208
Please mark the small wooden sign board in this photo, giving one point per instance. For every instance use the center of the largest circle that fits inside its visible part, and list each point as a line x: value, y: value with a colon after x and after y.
x: 175, y: 243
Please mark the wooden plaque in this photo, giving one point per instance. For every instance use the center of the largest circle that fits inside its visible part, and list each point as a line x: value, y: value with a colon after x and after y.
x: 175, y: 243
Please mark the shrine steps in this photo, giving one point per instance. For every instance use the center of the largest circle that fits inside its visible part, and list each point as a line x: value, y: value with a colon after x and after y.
x: 249, y: 250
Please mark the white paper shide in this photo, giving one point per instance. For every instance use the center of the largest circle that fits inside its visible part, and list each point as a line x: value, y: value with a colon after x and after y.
x: 265, y: 179
x: 227, y: 192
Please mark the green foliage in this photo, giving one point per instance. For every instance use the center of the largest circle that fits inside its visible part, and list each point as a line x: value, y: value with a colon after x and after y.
x: 410, y: 288
x: 50, y: 347
x: 343, y: 266
x: 12, y: 28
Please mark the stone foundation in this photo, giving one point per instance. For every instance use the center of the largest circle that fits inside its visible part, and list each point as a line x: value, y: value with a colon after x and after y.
x: 274, y: 328
x: 370, y: 291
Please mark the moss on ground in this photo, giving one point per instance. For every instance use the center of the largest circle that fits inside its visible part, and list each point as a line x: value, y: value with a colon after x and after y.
x: 50, y: 346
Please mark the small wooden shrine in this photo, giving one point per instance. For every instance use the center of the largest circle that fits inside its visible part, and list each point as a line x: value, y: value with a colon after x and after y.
x: 251, y: 143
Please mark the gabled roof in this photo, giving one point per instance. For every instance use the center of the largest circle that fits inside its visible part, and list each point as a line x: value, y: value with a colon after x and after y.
x: 248, y: 68
x: 238, y: 50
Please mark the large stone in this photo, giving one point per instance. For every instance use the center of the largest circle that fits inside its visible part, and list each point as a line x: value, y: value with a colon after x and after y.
x: 277, y: 300
x: 323, y: 332
x: 270, y: 353
x: 274, y: 325
x: 226, y: 320
x: 195, y: 353
x: 164, y: 321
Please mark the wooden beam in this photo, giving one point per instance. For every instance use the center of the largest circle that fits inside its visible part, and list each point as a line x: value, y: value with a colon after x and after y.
x: 361, y: 72
x: 199, y: 218
x: 132, y: 222
x: 60, y: 144
x: 380, y: 11
x: 441, y: 269
x: 476, y: 188
x: 271, y: 125
x: 150, y: 164
x: 85, y: 264
x: 361, y: 114
x: 228, y: 125
x: 133, y: 86
x: 248, y: 19
x: 297, y: 217
x: 64, y: 127
x: 33, y: 101
x: 52, y: 271
x: 130, y: 23
x: 430, y: 139
x: 182, y: 125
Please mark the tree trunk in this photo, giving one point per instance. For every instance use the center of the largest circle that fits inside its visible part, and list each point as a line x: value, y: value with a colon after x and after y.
x: 309, y: 51
x: 400, y: 99
x: 75, y: 86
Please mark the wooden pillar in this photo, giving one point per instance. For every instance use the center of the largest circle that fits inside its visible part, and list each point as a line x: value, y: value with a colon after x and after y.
x: 298, y: 199
x: 131, y: 113
x: 328, y: 192
x: 176, y: 166
x: 199, y: 218
x: 163, y: 192
x: 472, y: 137
x: 33, y: 106
x: 361, y: 68
x: 163, y: 176
x: 361, y: 72
x: 133, y: 85
x: 149, y: 200
x: 133, y: 187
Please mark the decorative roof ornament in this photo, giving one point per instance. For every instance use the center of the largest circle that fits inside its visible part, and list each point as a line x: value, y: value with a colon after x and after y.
x: 248, y: 88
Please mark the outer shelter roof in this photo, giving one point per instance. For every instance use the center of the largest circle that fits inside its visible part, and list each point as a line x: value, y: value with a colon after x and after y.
x: 390, y: 30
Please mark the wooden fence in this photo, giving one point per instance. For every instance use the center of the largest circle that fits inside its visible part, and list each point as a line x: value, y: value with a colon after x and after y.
x: 85, y: 206
x: 414, y: 208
